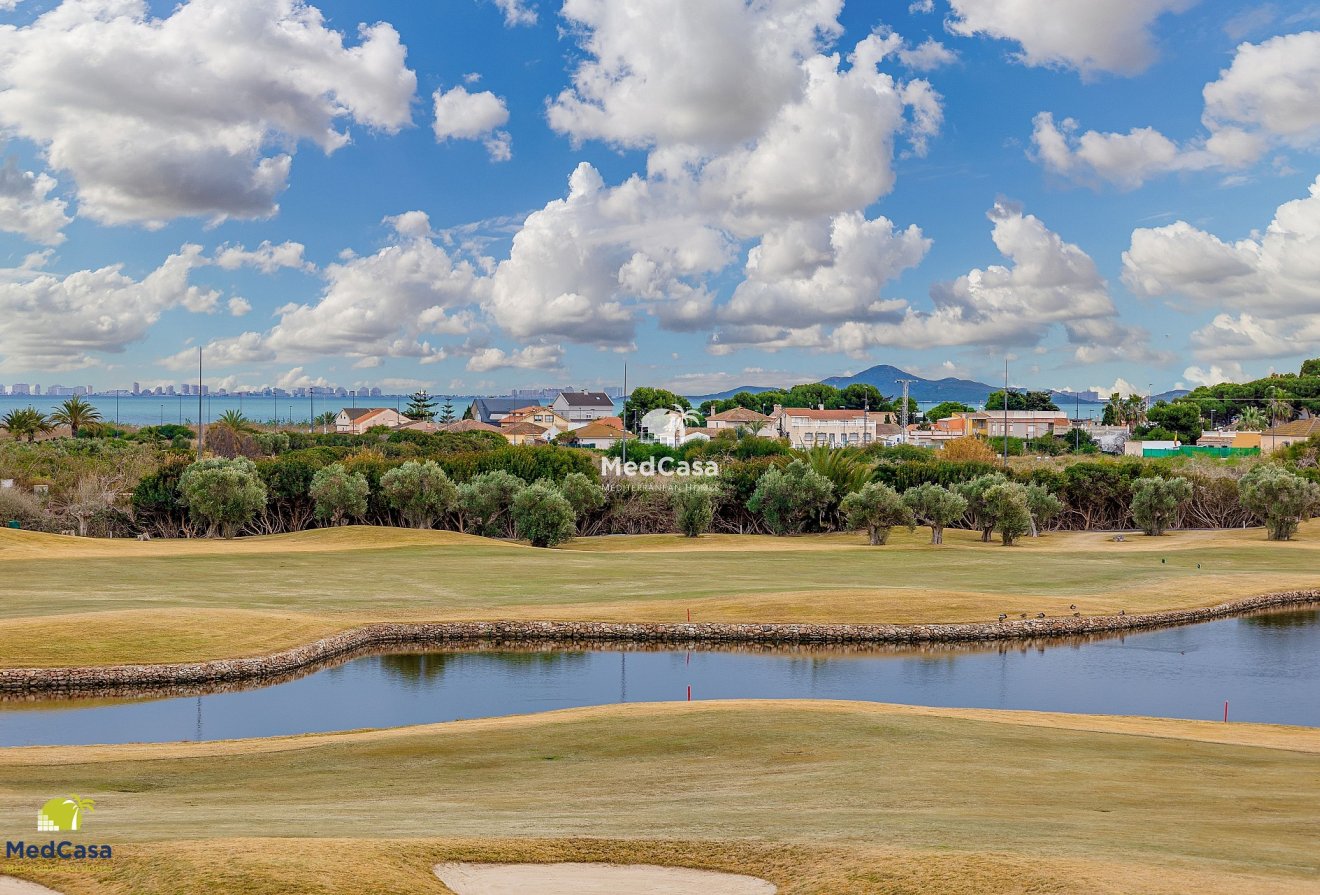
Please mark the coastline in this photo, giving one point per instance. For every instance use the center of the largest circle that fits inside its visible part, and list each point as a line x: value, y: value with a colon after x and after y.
x: 94, y: 680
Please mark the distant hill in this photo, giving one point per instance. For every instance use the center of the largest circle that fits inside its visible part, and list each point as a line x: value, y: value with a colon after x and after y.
x: 885, y: 378
x: 968, y: 391
x: 729, y: 393
x: 1171, y: 394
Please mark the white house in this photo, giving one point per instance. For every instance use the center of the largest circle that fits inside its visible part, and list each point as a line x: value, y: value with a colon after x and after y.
x: 356, y: 420
x: 582, y: 407
x: 808, y: 427
x: 600, y: 435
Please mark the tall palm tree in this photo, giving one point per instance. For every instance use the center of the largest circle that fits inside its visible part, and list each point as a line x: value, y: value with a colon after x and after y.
x: 1251, y: 419
x: 26, y: 423
x: 75, y: 413
x: 1278, y: 407
x: 236, y: 422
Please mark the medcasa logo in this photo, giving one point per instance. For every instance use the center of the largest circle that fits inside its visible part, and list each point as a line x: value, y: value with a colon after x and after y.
x: 62, y: 814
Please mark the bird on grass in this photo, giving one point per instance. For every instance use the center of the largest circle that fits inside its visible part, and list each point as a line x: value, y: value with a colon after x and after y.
x: 1040, y: 615
x: 1072, y: 605
x: 1002, y: 616
x: 1122, y: 612
x: 1024, y: 615
x: 1077, y: 615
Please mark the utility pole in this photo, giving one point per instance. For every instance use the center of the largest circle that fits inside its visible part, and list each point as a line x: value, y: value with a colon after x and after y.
x: 1005, y: 411
x: 903, y: 412
x: 624, y: 441
x: 201, y: 422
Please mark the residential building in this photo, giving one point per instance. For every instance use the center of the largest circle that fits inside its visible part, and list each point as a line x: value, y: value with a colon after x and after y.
x: 356, y: 420
x: 808, y: 427
x: 491, y: 410
x: 427, y: 426
x: 524, y: 433
x: 1229, y: 438
x: 600, y: 435
x: 1142, y: 448
x: 1019, y: 423
x: 544, y: 417
x: 582, y: 407
x: 20, y: 388
x: 667, y: 427
x: 742, y: 418
x: 1285, y: 434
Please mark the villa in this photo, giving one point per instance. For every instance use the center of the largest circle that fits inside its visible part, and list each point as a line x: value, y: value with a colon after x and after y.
x: 600, y: 435
x: 1286, y: 434
x: 808, y: 427
x: 743, y: 418
x: 1018, y: 423
x: 356, y: 420
x: 519, y: 432
x: 492, y: 410
x: 582, y: 407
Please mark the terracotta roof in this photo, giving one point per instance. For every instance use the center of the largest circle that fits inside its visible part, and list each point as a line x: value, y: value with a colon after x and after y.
x: 420, y: 426
x: 586, y: 399
x: 470, y: 426
x: 598, y: 429
x: 888, y: 429
x: 739, y: 415
x: 357, y: 413
x: 812, y: 413
x: 616, y: 422
x: 523, y: 429
x: 1297, y: 428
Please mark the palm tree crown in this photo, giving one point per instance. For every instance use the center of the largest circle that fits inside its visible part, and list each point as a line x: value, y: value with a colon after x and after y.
x: 26, y: 423
x: 235, y: 421
x: 75, y: 413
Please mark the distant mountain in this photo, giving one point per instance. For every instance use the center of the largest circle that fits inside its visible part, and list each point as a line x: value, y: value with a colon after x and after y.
x: 729, y: 393
x: 968, y: 391
x: 1170, y: 394
x: 885, y: 378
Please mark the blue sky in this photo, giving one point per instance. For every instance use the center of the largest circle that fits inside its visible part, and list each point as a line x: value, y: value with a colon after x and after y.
x: 1178, y: 132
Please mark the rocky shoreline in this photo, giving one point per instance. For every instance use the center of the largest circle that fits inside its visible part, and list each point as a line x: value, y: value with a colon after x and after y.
x: 93, y: 680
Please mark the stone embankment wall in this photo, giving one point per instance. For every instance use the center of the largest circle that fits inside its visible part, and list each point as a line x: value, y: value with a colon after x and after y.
x: 88, y: 679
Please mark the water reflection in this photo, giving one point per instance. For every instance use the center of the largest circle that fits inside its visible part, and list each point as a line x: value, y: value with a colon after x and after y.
x: 1267, y: 666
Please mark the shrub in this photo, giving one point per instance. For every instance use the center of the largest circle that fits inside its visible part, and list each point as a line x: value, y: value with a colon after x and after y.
x: 486, y: 499
x: 969, y: 449
x: 1156, y: 501
x: 222, y: 494
x: 790, y: 498
x: 338, y: 493
x: 877, y: 508
x: 694, y: 509
x: 935, y: 506
x: 23, y: 507
x: 1281, y: 497
x: 583, y: 495
x: 421, y: 492
x: 543, y: 515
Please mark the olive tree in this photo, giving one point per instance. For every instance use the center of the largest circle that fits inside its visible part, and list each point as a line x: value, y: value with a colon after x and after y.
x: 935, y: 506
x: 973, y: 492
x: 582, y: 494
x: 1156, y: 501
x: 1281, y: 497
x: 543, y: 515
x: 420, y: 491
x: 1005, y: 507
x: 789, y: 498
x: 339, y: 494
x: 1044, y: 507
x: 484, y: 500
x: 694, y: 508
x: 222, y: 494
x: 877, y: 508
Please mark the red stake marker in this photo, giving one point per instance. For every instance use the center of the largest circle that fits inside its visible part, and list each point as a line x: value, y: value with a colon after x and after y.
x: 1225, y: 711
x: 689, y: 616
x: 689, y: 692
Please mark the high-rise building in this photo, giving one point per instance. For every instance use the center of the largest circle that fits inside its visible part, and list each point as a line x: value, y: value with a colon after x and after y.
x: 137, y: 388
x: 20, y: 388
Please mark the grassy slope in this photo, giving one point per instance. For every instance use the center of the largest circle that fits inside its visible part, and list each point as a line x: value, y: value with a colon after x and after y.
x: 80, y: 601
x: 828, y: 798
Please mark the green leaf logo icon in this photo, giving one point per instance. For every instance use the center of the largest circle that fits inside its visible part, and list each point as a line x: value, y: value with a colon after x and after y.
x: 63, y: 814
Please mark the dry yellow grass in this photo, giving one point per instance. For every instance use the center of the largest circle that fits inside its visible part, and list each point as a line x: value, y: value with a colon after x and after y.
x: 82, y: 601
x: 820, y: 798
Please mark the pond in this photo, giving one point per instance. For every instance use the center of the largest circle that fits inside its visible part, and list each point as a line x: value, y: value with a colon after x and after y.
x: 1266, y: 666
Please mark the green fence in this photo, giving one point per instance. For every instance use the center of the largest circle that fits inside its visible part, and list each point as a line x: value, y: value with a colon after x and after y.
x: 1191, y: 450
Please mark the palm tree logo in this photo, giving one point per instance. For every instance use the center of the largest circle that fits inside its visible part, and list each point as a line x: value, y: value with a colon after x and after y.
x: 63, y: 815
x: 686, y: 415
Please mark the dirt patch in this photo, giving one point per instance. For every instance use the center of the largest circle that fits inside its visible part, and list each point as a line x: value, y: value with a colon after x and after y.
x: 595, y: 879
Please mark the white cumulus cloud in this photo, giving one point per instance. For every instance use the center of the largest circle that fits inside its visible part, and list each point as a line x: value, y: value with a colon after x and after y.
x: 198, y: 112
x: 1086, y: 35
x: 460, y: 115
x: 27, y: 206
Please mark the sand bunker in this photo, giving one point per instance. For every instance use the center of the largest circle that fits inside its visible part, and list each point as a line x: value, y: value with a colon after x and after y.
x: 12, y: 886
x: 595, y: 879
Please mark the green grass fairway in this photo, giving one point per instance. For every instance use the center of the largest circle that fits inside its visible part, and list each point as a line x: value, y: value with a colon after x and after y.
x: 83, y: 601
x: 821, y: 798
